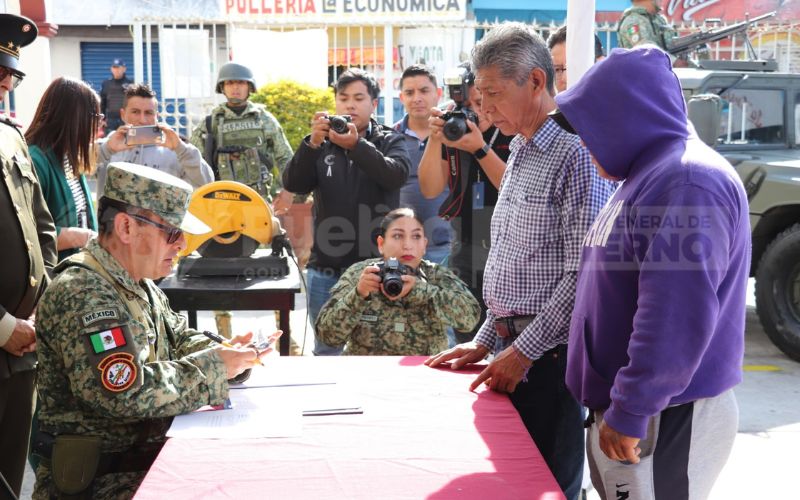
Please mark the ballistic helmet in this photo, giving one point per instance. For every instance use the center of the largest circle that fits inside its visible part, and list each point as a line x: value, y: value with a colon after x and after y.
x: 233, y: 71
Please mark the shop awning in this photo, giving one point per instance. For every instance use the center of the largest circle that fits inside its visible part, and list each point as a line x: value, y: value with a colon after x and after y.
x: 353, y: 56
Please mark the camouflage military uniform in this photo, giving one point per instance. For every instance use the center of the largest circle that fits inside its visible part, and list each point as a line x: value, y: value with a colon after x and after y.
x: 637, y: 26
x: 413, y: 325
x: 115, y: 362
x: 246, y: 147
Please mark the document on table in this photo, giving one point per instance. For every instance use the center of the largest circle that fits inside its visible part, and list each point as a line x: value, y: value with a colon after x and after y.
x: 271, y: 422
x: 314, y: 399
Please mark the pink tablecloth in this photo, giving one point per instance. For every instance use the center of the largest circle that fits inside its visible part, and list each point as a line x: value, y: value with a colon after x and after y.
x: 422, y: 435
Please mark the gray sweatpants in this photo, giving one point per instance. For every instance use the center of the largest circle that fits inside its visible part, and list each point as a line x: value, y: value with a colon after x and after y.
x: 684, y: 452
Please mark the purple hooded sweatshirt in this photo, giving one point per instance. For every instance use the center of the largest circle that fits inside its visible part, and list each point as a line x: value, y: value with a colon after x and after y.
x: 660, y: 305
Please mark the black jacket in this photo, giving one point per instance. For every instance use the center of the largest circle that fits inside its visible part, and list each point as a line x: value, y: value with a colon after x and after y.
x: 353, y: 190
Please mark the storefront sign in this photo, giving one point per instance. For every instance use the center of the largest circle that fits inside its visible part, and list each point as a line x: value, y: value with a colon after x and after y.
x: 300, y: 11
x: 686, y: 11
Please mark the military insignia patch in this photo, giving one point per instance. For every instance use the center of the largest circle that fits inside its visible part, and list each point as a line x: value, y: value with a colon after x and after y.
x: 633, y: 29
x: 118, y: 371
x: 95, y: 316
x: 106, y: 340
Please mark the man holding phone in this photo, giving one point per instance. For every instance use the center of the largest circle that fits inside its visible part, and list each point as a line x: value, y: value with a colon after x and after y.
x: 144, y: 142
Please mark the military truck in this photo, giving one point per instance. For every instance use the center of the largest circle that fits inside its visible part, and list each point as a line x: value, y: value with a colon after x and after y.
x: 756, y: 126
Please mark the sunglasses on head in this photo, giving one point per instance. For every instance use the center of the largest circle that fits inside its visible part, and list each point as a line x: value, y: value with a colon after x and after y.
x: 173, y: 234
x: 16, y: 77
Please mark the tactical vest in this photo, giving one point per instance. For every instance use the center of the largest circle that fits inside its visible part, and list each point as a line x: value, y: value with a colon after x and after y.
x: 243, y: 151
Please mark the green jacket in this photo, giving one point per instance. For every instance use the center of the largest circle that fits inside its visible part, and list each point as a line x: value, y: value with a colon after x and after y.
x: 413, y: 325
x: 57, y: 194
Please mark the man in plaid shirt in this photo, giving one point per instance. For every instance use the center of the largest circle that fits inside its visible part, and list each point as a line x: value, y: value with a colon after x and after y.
x: 549, y: 197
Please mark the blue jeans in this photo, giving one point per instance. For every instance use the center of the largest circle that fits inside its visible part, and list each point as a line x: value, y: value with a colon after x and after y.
x: 319, y: 284
x: 553, y: 419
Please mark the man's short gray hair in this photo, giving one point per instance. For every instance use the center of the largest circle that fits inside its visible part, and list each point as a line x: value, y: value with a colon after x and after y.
x: 515, y: 49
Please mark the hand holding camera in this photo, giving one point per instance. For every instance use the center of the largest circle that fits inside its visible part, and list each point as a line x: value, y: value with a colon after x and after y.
x: 456, y: 129
x: 393, y: 279
x: 339, y: 129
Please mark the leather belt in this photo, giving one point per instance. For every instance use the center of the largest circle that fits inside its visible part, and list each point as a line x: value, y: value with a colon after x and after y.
x: 512, y: 326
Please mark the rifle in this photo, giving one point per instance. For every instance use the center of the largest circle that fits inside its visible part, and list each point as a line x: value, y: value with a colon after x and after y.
x: 688, y: 43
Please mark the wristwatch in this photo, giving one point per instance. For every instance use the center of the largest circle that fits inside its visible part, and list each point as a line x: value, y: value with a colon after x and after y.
x: 481, y: 153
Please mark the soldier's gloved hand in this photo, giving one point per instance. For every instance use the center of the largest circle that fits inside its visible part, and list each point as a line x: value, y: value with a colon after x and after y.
x: 23, y: 338
x: 369, y: 282
x: 320, y: 126
x: 346, y: 141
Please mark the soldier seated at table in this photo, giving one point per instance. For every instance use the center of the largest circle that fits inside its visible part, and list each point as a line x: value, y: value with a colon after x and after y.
x: 115, y: 362
x: 378, y: 309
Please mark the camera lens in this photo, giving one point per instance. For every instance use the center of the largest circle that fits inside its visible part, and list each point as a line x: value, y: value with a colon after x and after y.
x: 454, y: 128
x: 338, y: 124
x: 393, y: 285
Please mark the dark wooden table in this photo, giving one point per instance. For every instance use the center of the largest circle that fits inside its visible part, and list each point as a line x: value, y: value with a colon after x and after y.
x: 235, y: 294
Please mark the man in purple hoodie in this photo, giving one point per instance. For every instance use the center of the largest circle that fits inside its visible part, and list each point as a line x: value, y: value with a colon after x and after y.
x: 657, y: 333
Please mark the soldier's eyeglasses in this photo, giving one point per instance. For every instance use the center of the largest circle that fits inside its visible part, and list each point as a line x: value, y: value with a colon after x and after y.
x: 173, y: 234
x: 16, y: 77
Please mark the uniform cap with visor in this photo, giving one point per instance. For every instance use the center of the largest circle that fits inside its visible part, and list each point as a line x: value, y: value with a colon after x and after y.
x: 163, y: 194
x: 15, y: 32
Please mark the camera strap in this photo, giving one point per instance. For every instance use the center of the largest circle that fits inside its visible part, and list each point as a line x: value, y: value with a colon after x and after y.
x: 457, y: 181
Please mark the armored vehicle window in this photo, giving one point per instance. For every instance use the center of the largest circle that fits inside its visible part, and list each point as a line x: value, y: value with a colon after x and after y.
x: 752, y: 116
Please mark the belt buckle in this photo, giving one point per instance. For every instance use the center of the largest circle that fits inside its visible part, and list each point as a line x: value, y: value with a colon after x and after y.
x: 504, y: 328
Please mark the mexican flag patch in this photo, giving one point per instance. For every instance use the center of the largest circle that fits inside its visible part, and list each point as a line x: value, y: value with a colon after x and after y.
x: 107, y: 340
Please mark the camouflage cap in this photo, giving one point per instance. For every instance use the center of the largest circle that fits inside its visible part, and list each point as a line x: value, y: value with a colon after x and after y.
x: 148, y: 188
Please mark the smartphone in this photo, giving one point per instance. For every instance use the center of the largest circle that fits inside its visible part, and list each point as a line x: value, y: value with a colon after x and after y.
x: 148, y: 134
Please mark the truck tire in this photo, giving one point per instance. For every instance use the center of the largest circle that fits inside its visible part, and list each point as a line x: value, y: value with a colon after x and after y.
x: 778, y: 291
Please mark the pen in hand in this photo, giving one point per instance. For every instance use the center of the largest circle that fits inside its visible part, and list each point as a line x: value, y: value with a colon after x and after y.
x: 219, y: 339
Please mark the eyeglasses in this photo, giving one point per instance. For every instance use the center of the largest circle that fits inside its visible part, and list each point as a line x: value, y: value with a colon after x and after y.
x: 16, y: 77
x: 173, y: 234
x: 560, y: 69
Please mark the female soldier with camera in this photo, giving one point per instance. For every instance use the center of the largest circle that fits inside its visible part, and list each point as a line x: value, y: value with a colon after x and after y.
x: 373, y: 314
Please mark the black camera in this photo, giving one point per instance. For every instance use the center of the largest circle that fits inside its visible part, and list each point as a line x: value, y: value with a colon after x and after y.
x: 458, y: 82
x: 391, y: 272
x: 455, y: 123
x: 339, y: 123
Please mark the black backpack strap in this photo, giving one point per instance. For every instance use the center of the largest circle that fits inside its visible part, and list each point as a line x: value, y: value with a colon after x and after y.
x: 210, y: 147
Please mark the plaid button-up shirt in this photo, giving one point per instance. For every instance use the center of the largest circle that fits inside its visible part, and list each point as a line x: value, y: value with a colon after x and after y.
x: 549, y: 197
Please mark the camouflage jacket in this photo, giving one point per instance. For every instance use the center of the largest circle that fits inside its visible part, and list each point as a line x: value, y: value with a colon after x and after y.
x: 256, y: 130
x: 637, y: 26
x: 106, y: 373
x: 413, y: 325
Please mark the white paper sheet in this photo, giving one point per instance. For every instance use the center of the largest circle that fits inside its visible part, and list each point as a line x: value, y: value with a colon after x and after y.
x: 239, y: 423
x: 313, y: 399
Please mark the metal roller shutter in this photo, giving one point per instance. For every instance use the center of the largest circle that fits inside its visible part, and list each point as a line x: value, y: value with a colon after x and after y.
x: 96, y: 60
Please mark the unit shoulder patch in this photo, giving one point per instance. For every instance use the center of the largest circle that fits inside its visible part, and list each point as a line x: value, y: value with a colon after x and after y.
x: 118, y: 371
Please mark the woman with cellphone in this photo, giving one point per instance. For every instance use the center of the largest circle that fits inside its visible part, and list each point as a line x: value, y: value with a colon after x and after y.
x: 400, y: 305
x: 61, y: 138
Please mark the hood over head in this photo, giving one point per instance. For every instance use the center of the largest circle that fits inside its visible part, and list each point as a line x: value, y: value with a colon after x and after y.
x: 628, y: 104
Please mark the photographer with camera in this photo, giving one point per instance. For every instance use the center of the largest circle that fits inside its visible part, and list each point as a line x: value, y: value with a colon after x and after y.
x: 355, y: 170
x: 399, y: 306
x: 144, y: 142
x: 466, y: 155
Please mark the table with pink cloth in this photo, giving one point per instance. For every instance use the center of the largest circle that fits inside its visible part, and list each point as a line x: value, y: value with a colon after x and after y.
x: 422, y: 434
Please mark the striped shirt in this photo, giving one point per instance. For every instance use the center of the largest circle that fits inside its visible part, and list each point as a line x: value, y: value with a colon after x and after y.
x: 75, y: 188
x: 549, y: 197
